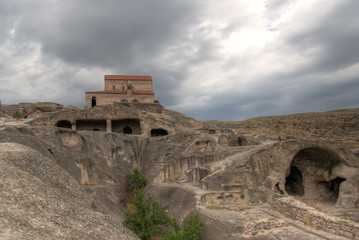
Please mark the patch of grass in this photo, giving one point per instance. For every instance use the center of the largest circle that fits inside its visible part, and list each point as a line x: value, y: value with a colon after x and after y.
x: 272, y: 218
x: 91, y: 182
x: 17, y: 115
x: 317, y: 205
x: 242, y: 207
x: 307, y: 219
x: 348, y: 217
x: 217, y: 207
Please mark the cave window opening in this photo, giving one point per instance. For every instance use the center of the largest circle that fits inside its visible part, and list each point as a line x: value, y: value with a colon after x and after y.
x: 64, y: 124
x: 330, y: 190
x: 241, y: 141
x: 294, y: 182
x: 158, y: 132
x: 93, y: 101
x: 113, y: 88
x: 127, y: 130
x: 96, y: 130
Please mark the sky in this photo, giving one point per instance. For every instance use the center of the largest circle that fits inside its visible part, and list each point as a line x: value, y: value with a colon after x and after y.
x: 212, y: 60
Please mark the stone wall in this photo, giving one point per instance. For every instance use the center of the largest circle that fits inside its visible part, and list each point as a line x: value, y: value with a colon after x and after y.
x: 122, y: 85
x: 110, y: 98
x: 148, y: 107
x: 296, y: 210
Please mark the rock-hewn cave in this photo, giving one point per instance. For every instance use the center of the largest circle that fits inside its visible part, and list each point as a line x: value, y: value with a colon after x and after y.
x: 309, y: 173
x: 294, y: 182
x: 157, y: 132
x: 91, y: 125
x: 127, y: 130
x: 126, y: 126
x: 64, y: 124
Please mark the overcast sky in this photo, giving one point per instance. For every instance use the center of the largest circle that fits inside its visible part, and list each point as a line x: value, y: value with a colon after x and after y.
x: 209, y: 59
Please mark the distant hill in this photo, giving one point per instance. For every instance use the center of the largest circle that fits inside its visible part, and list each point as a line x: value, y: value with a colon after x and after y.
x: 340, y: 126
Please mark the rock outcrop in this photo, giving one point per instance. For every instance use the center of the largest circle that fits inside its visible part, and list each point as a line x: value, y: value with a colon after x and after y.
x: 69, y: 167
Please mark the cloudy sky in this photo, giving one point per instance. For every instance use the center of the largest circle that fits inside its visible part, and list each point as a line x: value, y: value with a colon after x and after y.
x: 210, y: 59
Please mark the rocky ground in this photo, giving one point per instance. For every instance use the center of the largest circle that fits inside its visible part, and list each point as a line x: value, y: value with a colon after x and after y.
x: 340, y: 126
x: 60, y: 183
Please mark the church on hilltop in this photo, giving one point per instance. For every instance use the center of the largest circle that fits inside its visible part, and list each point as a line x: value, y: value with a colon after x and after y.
x: 122, y: 89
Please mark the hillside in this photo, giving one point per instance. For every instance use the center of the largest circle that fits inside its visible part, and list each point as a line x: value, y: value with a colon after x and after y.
x: 63, y: 171
x: 340, y: 126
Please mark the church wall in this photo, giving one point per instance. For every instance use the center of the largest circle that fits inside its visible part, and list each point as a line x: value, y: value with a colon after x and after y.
x: 137, y: 85
x: 103, y: 99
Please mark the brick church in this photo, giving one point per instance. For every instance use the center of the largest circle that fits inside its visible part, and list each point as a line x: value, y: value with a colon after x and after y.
x: 123, y: 89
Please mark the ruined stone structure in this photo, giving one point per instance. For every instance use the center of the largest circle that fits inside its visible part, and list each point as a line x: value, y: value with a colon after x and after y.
x: 124, y: 89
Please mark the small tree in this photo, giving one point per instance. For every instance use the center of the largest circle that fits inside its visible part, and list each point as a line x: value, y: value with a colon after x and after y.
x: 135, y: 181
x: 149, y: 219
x: 192, y: 230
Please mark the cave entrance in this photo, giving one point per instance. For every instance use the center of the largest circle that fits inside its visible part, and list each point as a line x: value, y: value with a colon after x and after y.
x: 126, y: 126
x: 158, y: 132
x: 330, y: 190
x: 127, y: 130
x: 64, y: 124
x: 294, y: 182
x: 240, y: 141
x: 313, y: 175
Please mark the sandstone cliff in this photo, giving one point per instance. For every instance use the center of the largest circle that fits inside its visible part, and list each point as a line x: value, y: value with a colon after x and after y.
x: 63, y: 174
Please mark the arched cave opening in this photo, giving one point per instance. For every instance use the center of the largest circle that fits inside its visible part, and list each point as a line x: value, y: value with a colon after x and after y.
x: 309, y: 172
x: 330, y: 190
x: 294, y: 182
x: 127, y: 130
x: 157, y: 132
x: 64, y: 124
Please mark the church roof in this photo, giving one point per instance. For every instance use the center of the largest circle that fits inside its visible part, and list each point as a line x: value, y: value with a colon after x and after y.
x: 128, y: 77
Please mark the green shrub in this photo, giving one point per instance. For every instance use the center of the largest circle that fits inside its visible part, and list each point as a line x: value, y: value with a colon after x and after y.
x: 17, y: 115
x: 156, y: 101
x: 149, y: 218
x: 135, y: 181
x: 192, y: 229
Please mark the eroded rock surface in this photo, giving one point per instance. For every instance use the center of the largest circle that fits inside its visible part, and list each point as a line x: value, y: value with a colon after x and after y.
x: 70, y: 166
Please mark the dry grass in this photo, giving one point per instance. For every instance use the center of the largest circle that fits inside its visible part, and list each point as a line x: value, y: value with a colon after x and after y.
x: 130, y: 208
x: 91, y: 182
x: 217, y: 207
x: 316, y: 205
x: 307, y: 219
x: 242, y: 207
x: 321, y: 125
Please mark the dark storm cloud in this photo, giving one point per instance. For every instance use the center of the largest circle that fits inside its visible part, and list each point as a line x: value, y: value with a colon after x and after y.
x: 335, y: 37
x: 111, y: 34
